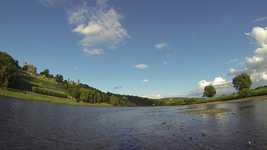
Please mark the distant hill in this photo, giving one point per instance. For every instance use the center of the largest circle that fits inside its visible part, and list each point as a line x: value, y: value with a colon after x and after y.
x: 26, y: 78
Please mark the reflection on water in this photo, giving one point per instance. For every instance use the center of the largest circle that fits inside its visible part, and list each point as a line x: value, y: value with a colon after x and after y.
x: 32, y: 125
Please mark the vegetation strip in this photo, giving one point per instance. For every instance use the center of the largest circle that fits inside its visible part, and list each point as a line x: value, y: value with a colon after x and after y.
x: 26, y: 83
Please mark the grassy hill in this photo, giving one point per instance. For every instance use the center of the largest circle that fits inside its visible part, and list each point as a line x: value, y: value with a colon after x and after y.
x: 26, y: 83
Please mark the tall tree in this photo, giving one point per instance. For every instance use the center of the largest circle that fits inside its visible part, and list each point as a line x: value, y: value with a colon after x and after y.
x: 8, y: 70
x: 209, y: 91
x: 242, y: 82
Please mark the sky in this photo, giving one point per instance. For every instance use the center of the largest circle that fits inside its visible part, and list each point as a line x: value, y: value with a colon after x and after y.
x: 152, y: 48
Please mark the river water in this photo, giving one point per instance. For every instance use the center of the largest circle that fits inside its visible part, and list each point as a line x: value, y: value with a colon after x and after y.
x: 27, y: 125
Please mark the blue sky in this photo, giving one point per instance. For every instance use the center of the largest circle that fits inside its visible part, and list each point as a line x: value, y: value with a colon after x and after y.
x: 146, y: 48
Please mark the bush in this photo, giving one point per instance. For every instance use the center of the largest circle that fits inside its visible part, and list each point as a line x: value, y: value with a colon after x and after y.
x: 244, y: 93
x: 258, y: 91
x: 48, y: 92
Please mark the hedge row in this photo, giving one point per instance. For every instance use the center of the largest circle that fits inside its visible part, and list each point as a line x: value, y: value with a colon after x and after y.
x: 49, y: 92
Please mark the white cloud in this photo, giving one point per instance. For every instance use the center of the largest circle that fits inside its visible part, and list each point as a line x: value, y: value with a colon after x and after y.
x: 260, y: 19
x: 141, y: 66
x: 218, y: 81
x: 254, y: 60
x: 99, y: 26
x: 233, y: 72
x: 259, y: 34
x: 264, y: 76
x: 161, y: 45
x: 255, y: 66
x: 145, y: 80
x: 154, y: 96
x: 221, y: 85
x: 261, y: 50
x: 91, y: 29
x: 94, y: 52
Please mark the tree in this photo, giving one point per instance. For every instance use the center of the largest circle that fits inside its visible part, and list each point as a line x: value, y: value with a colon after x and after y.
x: 8, y: 70
x: 45, y: 73
x: 209, y: 91
x: 59, y: 78
x: 242, y: 82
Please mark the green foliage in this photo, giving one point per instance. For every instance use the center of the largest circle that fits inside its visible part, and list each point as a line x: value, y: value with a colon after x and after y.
x: 114, y: 100
x: 242, y: 81
x: 209, y: 91
x: 26, y: 79
x: 27, y: 95
x: 59, y: 78
x: 84, y: 95
x: 244, y: 93
x: 74, y: 92
x: 45, y: 73
x: 8, y: 70
x: 48, y: 92
x: 22, y: 82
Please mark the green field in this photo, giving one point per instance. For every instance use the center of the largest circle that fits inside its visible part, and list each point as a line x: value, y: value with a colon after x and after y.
x: 26, y: 95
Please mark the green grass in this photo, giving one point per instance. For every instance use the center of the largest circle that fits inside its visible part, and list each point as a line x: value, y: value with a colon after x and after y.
x: 44, y: 98
x: 46, y: 83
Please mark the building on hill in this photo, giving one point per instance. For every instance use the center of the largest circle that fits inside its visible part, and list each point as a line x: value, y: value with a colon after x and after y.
x: 29, y: 68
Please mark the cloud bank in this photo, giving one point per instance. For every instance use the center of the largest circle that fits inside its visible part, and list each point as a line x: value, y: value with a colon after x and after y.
x: 255, y: 66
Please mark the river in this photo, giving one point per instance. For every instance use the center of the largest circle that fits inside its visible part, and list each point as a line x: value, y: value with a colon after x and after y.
x: 28, y: 125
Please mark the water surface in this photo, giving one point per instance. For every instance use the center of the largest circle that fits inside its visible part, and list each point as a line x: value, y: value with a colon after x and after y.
x: 26, y: 125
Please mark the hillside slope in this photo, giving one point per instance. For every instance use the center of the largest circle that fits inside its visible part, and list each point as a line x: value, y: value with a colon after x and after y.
x: 26, y: 82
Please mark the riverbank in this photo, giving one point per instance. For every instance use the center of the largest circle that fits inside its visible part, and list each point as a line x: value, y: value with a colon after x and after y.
x: 31, y: 96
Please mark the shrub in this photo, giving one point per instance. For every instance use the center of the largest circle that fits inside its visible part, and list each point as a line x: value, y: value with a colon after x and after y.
x: 244, y: 93
x: 49, y: 92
